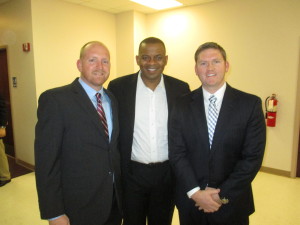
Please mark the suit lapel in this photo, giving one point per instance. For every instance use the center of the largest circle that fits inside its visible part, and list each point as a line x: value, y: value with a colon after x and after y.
x: 198, y: 112
x: 115, y: 121
x: 130, y: 95
x: 169, y: 92
x: 86, y: 105
x: 225, y: 114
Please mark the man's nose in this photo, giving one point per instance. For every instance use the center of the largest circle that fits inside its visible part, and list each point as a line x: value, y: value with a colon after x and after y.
x: 99, y: 65
x: 210, y: 65
x: 152, y: 60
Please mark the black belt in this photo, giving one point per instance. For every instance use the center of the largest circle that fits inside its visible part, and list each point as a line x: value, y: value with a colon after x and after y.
x: 154, y: 164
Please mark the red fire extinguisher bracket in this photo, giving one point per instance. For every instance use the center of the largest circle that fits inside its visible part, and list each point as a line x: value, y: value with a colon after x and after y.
x: 271, y: 110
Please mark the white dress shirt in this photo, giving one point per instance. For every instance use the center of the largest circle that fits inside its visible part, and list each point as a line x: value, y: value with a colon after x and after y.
x: 219, y: 94
x: 150, y: 135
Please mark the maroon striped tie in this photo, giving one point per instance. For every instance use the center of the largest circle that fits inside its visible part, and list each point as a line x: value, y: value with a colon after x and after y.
x: 101, y: 113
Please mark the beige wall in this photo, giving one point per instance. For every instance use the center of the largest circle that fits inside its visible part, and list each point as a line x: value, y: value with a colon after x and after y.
x: 15, y: 29
x: 59, y: 30
x: 140, y: 33
x: 131, y: 29
x: 261, y: 39
x: 56, y: 31
x: 125, y: 43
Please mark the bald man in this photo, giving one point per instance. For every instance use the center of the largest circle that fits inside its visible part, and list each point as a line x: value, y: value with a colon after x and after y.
x: 77, y: 159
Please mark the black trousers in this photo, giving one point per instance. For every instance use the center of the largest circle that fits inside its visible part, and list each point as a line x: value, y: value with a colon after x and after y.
x: 206, y: 222
x: 149, y: 194
x: 199, y: 218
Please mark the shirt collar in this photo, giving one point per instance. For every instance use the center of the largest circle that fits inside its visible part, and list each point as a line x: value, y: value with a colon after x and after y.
x: 160, y: 85
x: 219, y: 93
x: 90, y: 91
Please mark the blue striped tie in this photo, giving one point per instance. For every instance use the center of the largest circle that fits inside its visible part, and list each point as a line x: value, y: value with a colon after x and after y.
x: 212, y: 118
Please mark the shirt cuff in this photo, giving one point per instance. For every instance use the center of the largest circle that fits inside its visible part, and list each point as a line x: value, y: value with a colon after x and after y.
x: 193, y: 191
x: 55, y: 218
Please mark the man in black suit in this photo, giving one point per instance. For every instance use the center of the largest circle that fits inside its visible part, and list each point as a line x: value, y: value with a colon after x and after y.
x: 77, y: 159
x: 145, y: 100
x: 214, y: 169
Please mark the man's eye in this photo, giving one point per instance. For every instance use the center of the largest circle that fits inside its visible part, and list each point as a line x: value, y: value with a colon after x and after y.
x: 158, y: 58
x: 203, y: 63
x: 146, y: 58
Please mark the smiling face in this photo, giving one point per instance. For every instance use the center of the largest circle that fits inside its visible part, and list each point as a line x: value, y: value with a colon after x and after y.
x: 94, y: 65
x: 152, y: 60
x: 211, y: 68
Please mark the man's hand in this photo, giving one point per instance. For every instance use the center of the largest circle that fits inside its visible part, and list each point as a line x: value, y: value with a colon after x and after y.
x: 205, y: 199
x: 215, y: 197
x: 62, y: 220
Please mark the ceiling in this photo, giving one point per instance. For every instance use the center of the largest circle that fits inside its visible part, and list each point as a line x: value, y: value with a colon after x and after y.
x: 118, y: 6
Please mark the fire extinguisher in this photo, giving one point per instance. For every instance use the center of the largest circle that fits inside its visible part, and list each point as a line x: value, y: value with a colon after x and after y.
x: 271, y: 109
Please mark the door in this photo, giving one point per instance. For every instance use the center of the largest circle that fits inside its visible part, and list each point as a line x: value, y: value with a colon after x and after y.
x: 4, y: 91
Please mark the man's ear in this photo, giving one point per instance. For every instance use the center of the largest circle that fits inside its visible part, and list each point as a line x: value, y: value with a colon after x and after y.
x: 137, y: 60
x: 226, y: 66
x: 79, y: 65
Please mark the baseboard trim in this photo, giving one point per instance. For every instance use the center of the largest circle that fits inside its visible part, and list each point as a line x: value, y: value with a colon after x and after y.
x: 275, y: 171
x: 25, y: 164
x: 262, y: 169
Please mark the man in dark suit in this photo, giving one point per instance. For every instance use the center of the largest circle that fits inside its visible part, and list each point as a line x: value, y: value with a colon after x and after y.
x: 77, y: 159
x: 145, y: 100
x: 215, y: 165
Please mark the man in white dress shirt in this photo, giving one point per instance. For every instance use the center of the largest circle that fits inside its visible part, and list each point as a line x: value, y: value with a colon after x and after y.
x: 145, y: 101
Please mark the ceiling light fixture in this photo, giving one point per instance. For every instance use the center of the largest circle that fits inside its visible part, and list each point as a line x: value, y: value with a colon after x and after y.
x: 158, y: 4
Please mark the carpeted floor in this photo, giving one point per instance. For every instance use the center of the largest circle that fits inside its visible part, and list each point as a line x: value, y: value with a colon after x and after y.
x: 15, y: 169
x: 276, y: 201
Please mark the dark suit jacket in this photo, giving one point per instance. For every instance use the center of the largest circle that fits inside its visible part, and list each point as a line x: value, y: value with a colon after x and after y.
x: 124, y: 89
x: 76, y: 166
x: 234, y: 158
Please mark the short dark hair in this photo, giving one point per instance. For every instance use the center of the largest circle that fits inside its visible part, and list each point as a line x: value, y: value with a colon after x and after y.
x: 208, y: 45
x: 152, y: 40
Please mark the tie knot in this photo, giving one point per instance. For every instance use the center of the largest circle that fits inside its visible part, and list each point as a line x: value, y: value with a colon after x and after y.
x: 98, y: 96
x: 212, y: 99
